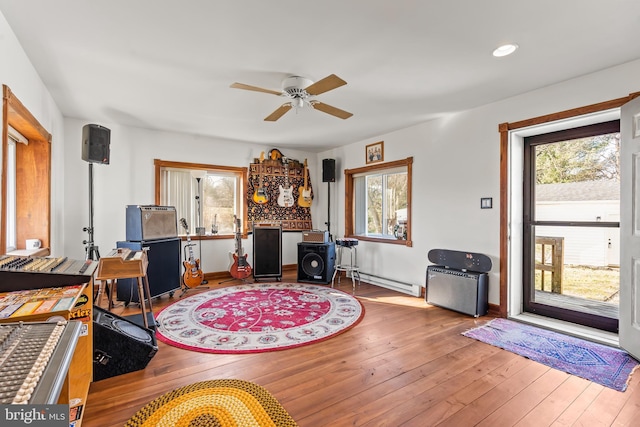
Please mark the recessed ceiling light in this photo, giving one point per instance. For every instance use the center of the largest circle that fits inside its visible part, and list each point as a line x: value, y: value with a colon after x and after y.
x: 505, y: 50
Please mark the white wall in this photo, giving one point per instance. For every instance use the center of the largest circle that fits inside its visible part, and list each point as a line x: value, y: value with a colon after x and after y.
x: 128, y: 179
x: 18, y: 74
x: 456, y: 162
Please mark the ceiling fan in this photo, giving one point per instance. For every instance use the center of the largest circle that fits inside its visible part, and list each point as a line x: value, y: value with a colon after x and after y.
x: 300, y: 90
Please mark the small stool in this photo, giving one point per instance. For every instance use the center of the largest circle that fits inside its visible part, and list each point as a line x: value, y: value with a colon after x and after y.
x: 351, y: 268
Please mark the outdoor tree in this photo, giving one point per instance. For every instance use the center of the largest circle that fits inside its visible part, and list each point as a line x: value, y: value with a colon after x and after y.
x: 585, y: 159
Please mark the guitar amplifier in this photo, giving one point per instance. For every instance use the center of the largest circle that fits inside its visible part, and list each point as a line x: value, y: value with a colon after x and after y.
x: 150, y: 222
x: 462, y: 291
x: 315, y: 236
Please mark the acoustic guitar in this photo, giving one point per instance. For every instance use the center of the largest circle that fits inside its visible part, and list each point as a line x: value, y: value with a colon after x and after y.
x: 192, y: 276
x: 260, y: 195
x: 240, y: 268
x: 304, y: 193
x: 285, y: 199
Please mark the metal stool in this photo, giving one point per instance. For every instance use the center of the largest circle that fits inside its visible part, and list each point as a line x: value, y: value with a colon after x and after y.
x: 352, y: 268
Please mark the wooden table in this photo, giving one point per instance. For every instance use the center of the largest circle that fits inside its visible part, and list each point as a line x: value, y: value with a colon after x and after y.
x: 123, y: 263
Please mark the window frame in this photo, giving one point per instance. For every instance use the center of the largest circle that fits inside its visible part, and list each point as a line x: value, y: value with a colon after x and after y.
x: 33, y: 213
x: 242, y: 172
x: 349, y: 212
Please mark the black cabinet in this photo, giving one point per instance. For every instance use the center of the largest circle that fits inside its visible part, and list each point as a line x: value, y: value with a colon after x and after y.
x: 163, y: 271
x: 267, y: 252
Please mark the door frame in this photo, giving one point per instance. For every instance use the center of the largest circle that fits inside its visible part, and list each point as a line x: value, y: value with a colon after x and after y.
x: 530, y: 222
x: 511, y: 198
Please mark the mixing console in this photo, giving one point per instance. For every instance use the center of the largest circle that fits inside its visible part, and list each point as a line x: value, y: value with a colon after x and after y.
x: 34, y: 360
x: 18, y: 273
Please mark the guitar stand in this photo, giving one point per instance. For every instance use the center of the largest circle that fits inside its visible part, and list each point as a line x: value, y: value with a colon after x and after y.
x: 183, y: 287
x: 232, y: 279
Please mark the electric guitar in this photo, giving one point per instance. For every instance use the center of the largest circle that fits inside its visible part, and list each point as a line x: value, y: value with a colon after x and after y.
x: 285, y: 199
x: 240, y: 269
x: 260, y: 195
x: 192, y: 276
x: 304, y: 193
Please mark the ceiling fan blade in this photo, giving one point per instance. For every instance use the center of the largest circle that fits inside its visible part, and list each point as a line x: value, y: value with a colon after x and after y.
x: 278, y: 113
x: 328, y: 83
x: 254, y: 88
x: 325, y: 108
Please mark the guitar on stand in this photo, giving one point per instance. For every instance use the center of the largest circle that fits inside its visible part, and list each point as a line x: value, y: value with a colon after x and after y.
x: 192, y: 276
x: 240, y: 268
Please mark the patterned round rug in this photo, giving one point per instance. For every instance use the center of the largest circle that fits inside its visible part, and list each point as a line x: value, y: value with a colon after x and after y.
x: 216, y: 403
x: 257, y: 317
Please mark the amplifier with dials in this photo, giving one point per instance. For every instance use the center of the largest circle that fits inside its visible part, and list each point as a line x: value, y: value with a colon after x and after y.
x: 315, y: 236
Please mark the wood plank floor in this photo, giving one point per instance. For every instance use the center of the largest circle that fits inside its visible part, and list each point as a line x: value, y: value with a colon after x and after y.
x: 404, y: 364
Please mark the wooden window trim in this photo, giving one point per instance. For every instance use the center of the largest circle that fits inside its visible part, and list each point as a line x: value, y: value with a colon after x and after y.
x: 33, y: 176
x: 159, y: 164
x: 348, y: 195
x: 504, y: 129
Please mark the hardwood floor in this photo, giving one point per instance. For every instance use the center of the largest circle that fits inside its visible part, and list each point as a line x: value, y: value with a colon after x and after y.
x: 404, y: 364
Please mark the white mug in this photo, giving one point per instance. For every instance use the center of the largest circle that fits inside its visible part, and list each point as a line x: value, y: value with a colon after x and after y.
x: 33, y: 244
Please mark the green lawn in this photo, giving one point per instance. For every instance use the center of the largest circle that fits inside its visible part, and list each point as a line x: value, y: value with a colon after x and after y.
x: 599, y: 284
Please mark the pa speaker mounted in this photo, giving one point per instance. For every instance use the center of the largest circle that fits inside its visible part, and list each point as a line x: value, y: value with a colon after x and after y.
x: 95, y: 144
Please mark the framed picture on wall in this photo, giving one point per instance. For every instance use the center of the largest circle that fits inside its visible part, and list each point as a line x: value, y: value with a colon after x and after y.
x: 375, y: 152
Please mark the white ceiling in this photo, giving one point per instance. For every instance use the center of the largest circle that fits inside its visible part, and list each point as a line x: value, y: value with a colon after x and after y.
x: 168, y: 64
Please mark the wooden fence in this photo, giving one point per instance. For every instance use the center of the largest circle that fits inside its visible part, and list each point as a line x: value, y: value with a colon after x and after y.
x: 556, y: 261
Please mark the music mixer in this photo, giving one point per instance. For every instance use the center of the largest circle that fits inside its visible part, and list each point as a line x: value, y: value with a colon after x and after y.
x: 34, y: 360
x: 19, y: 273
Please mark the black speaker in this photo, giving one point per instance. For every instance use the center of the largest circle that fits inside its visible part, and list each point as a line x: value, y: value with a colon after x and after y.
x: 119, y: 346
x: 316, y: 262
x: 329, y: 170
x: 95, y: 144
x: 267, y: 252
x: 163, y: 271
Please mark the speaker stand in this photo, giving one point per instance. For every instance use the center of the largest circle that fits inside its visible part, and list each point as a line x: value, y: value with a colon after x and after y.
x: 91, y: 251
x: 328, y: 223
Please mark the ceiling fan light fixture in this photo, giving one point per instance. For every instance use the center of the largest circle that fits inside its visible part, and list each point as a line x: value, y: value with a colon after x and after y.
x: 505, y: 49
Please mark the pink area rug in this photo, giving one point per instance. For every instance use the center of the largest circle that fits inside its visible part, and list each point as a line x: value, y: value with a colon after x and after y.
x: 258, y: 317
x: 608, y: 366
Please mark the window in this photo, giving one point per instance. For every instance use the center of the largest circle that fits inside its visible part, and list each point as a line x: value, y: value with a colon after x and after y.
x: 208, y: 197
x: 14, y: 137
x: 378, y: 202
x: 26, y: 180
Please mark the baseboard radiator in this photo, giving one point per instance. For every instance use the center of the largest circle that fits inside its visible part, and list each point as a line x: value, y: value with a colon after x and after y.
x: 396, y: 285
x: 463, y: 291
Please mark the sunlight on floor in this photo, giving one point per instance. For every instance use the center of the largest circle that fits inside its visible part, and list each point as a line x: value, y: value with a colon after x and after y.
x: 408, y: 301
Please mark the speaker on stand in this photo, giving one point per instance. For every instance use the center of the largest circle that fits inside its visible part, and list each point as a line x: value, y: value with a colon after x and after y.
x: 95, y: 149
x: 316, y: 262
x: 329, y: 176
x: 95, y: 144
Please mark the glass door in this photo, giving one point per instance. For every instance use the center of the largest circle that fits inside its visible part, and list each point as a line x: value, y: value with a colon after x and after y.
x: 572, y: 225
